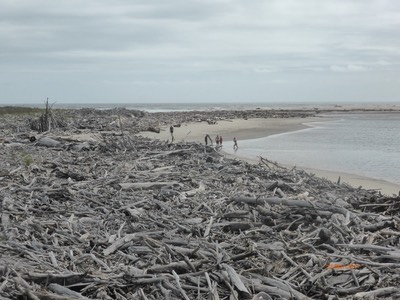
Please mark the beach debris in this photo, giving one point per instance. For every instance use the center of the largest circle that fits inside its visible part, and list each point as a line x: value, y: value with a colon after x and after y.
x: 135, y: 218
x: 48, y: 142
x: 47, y: 120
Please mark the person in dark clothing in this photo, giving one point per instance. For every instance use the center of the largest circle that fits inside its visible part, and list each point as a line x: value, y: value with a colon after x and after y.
x: 208, y: 138
x: 171, y: 130
x: 235, y: 145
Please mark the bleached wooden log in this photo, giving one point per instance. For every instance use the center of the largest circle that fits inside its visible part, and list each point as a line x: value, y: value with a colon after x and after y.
x: 24, y: 287
x: 119, y: 243
x: 212, y: 286
x: 5, y: 216
x: 236, y: 281
x: 292, y: 202
x: 52, y: 296
x: 237, y: 214
x: 178, y: 283
x: 295, y: 264
x: 273, y: 290
x: 53, y: 259
x: 147, y: 185
x: 179, y: 265
x: 193, y: 192
x: 54, y: 278
x: 142, y: 294
x: 377, y: 293
x: 281, y: 284
x: 48, y: 142
x: 79, y: 146
x: 369, y: 247
x: 62, y: 290
x: 208, y: 228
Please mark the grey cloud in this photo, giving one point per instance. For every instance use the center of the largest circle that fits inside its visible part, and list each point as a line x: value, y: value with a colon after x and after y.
x: 219, y: 42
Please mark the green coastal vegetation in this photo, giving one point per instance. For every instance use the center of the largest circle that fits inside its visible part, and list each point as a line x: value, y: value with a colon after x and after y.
x: 19, y: 110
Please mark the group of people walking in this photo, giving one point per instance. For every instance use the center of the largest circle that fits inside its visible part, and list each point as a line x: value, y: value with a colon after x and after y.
x: 219, y: 140
x: 207, y: 138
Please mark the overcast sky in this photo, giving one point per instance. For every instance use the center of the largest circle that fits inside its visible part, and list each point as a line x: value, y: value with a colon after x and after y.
x: 199, y: 51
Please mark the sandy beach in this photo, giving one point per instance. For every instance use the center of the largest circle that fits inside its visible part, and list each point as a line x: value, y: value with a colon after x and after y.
x: 240, y: 128
x: 257, y: 128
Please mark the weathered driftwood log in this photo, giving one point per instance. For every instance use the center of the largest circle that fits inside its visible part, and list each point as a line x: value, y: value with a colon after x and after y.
x: 298, y: 203
x: 124, y: 240
x: 6, y: 205
x: 67, y: 278
x: 236, y: 281
x: 62, y: 290
x: 193, y: 192
x: 378, y: 293
x: 179, y: 266
x: 278, y: 284
x: 147, y: 185
x: 48, y: 142
x: 84, y: 146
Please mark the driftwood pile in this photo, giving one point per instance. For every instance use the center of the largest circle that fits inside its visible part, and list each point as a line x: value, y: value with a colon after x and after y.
x: 130, y: 218
x: 47, y: 120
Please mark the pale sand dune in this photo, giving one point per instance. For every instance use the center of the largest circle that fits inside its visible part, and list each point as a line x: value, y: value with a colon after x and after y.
x: 257, y: 128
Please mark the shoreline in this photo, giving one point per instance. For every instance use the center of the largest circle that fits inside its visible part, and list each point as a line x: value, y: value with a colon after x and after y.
x: 263, y: 127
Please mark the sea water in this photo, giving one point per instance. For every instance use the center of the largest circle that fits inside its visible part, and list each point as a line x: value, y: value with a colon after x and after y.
x: 188, y: 106
x: 366, y: 144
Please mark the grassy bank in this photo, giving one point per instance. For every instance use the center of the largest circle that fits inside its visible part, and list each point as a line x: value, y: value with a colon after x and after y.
x: 18, y: 110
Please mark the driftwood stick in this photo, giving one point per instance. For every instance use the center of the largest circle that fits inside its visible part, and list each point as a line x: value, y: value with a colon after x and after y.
x: 5, y: 281
x: 379, y: 226
x: 226, y: 280
x: 273, y: 290
x: 68, y: 278
x: 180, y: 265
x: 377, y: 293
x: 281, y: 284
x: 193, y: 192
x: 146, y: 185
x: 368, y: 247
x: 208, y: 228
x: 181, y: 290
x: 212, y: 287
x: 97, y: 260
x: 52, y: 296
x: 119, y: 243
x: 290, y: 202
x: 5, y: 216
x: 142, y: 295
x: 235, y: 279
x: 53, y: 259
x: 24, y: 287
x: 166, y: 293
x: 295, y: 264
x: 62, y: 290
